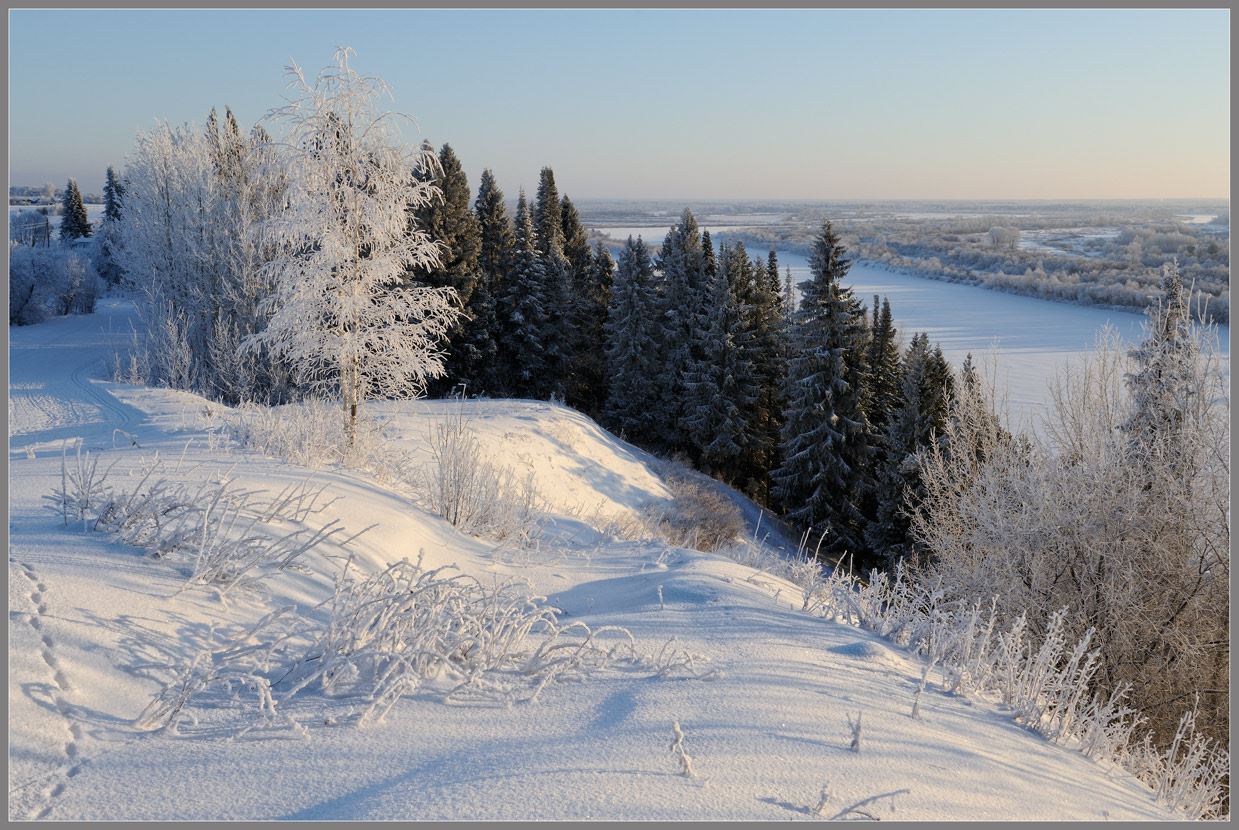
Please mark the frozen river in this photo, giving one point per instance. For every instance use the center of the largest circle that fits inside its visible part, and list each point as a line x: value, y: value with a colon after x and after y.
x: 1028, y: 339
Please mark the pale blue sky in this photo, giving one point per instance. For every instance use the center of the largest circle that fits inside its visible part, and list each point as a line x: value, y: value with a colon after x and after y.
x: 798, y: 104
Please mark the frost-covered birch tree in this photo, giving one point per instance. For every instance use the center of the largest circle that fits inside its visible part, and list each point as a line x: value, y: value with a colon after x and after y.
x: 340, y: 313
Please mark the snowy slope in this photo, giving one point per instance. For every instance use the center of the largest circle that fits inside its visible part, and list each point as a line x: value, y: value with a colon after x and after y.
x: 92, y: 622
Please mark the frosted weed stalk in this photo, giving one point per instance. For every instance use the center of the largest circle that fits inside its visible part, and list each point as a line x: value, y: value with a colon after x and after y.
x: 394, y: 633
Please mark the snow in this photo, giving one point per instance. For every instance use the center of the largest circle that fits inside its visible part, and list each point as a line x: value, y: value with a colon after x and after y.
x: 92, y: 621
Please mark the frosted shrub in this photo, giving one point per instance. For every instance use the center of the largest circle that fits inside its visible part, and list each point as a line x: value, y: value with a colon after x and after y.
x: 226, y: 534
x: 699, y: 515
x: 475, y: 495
x: 385, y: 635
x: 1048, y: 681
x: 310, y: 433
x: 50, y: 281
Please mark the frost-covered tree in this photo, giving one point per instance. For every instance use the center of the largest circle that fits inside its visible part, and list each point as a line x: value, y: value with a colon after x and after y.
x: 523, y: 313
x: 825, y: 432
x: 631, y: 359
x: 107, y: 259
x: 340, y: 312
x: 73, y: 222
x: 1133, y: 541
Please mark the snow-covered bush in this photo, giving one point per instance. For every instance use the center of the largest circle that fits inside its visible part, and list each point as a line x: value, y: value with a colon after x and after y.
x: 310, y: 433
x: 1119, y: 512
x: 1048, y: 681
x: 381, y: 636
x: 224, y: 534
x: 699, y: 516
x: 461, y: 484
x: 50, y: 281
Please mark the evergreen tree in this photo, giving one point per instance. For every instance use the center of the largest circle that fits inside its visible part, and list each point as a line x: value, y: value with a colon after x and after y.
x: 825, y: 433
x: 587, y: 307
x: 113, y: 194
x: 482, y: 335
x: 73, y: 224
x: 631, y: 361
x: 1165, y: 361
x: 789, y: 296
x: 590, y: 305
x: 523, y: 315
x: 761, y: 343
x: 556, y: 284
x: 680, y: 299
x: 450, y: 221
x: 709, y: 265
x: 926, y: 391
x: 719, y: 393
x: 884, y: 372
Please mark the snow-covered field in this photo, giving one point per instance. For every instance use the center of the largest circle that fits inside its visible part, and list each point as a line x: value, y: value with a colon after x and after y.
x: 93, y: 624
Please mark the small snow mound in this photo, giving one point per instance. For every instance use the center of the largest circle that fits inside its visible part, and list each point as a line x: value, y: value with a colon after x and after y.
x: 867, y: 651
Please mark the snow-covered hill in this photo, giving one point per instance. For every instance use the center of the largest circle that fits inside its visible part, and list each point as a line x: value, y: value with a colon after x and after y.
x: 765, y: 708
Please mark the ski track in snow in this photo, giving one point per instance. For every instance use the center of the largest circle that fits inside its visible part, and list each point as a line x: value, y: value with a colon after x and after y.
x: 91, y: 622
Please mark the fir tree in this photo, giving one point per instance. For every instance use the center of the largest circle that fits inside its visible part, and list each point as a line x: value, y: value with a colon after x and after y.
x: 587, y: 308
x: 450, y: 221
x: 631, y: 361
x: 789, y: 296
x: 719, y: 394
x: 113, y: 196
x: 765, y: 351
x: 522, y: 311
x: 590, y: 304
x: 709, y: 265
x: 1165, y: 361
x: 73, y: 224
x: 926, y: 391
x: 681, y: 266
x: 884, y: 371
x: 556, y: 284
x: 824, y: 438
x: 482, y: 335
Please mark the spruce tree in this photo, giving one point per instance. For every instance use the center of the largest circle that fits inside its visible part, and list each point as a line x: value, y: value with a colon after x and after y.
x: 680, y: 299
x: 523, y: 315
x: 450, y: 221
x: 789, y: 296
x: 719, y: 393
x: 586, y: 301
x: 631, y: 361
x: 765, y: 349
x: 884, y: 372
x: 483, y: 335
x: 926, y: 391
x: 556, y: 284
x: 113, y: 194
x: 825, y: 433
x: 590, y: 374
x: 73, y: 224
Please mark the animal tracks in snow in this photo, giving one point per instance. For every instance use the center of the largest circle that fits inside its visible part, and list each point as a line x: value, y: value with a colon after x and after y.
x: 57, y: 688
